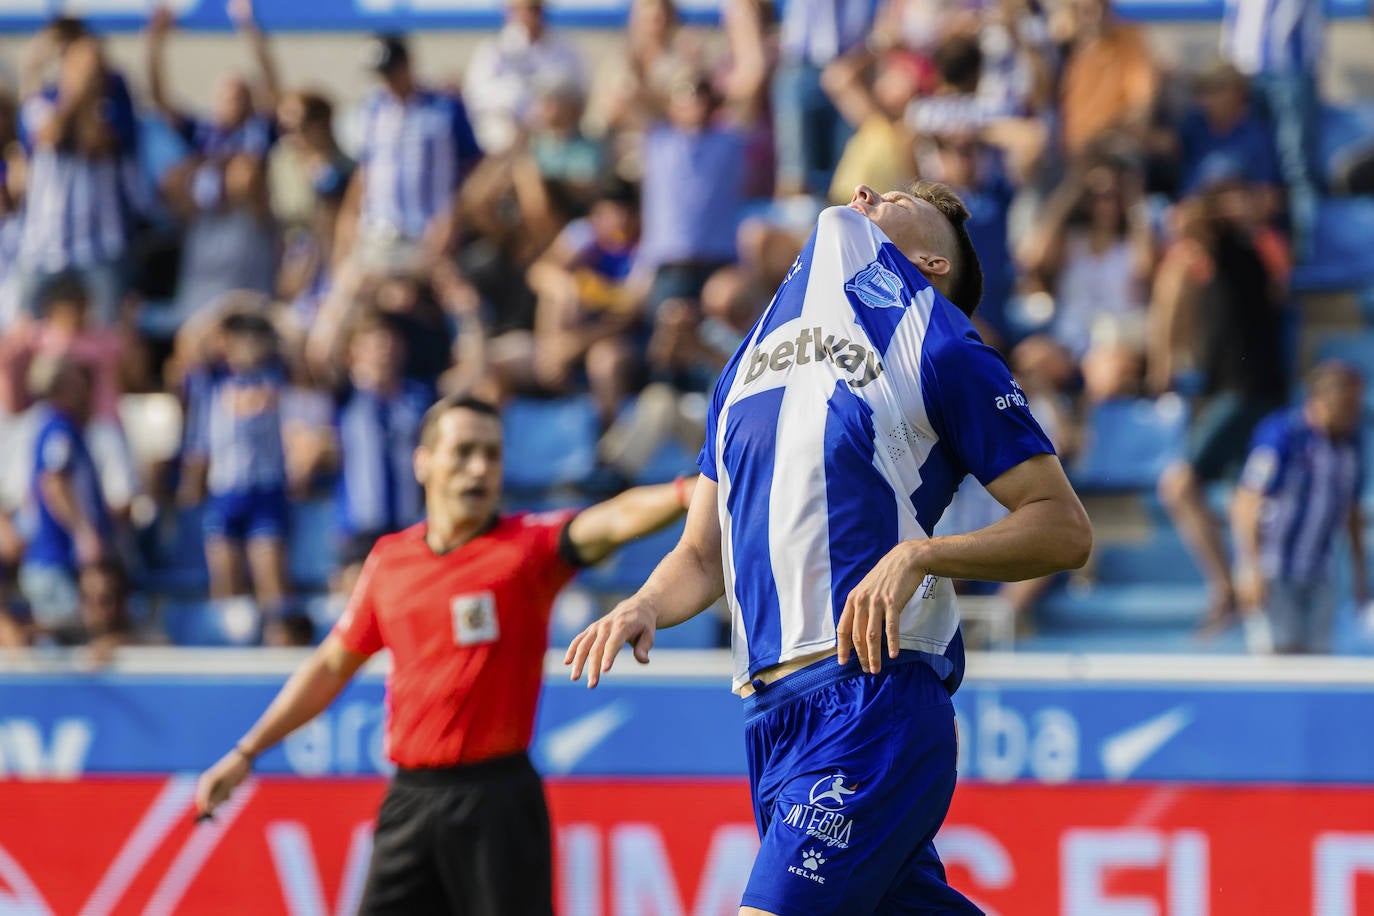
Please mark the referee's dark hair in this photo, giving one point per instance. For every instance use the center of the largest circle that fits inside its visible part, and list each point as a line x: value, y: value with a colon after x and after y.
x: 430, y: 424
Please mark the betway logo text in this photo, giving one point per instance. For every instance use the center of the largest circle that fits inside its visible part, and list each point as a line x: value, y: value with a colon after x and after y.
x: 811, y: 347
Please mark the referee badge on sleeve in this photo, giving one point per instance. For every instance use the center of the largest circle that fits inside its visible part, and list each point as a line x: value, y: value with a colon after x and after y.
x: 474, y: 619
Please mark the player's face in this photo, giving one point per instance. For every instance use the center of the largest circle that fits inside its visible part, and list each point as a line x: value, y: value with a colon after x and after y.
x: 462, y: 470
x: 919, y: 231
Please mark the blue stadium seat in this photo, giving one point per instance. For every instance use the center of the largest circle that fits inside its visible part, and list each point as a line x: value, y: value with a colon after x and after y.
x: 1340, y: 247
x: 549, y: 443
x: 234, y: 622
x: 628, y: 567
x: 311, y: 547
x: 323, y: 611
x: 1148, y: 605
x: 179, y: 564
x: 1343, y: 130
x: 667, y: 462
x: 1161, y: 559
x: 1129, y: 443
x: 1181, y: 640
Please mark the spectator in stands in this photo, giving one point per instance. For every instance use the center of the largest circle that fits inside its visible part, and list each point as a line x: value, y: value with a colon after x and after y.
x: 103, y: 589
x: 872, y: 94
x: 377, y: 427
x: 308, y: 170
x: 656, y: 48
x: 1279, y: 46
x: 64, y: 330
x: 591, y: 301
x: 1299, y: 489
x: 693, y: 188
x: 570, y: 162
x: 234, y: 450
x: 14, y: 626
x: 506, y: 69
x: 230, y: 239
x: 417, y: 147
x: 308, y: 176
x: 743, y: 77
x: 810, y: 132
x: 1018, y: 58
x: 237, y: 122
x: 1093, y: 251
x: 954, y: 101
x: 974, y: 165
x: 1216, y: 313
x: 82, y: 184
x: 1222, y: 133
x: 68, y: 524
x: 1109, y: 80
x: 694, y: 352
x: 12, y: 174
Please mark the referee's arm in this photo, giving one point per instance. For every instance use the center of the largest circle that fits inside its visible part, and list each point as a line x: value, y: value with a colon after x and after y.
x: 596, y: 532
x: 307, y: 694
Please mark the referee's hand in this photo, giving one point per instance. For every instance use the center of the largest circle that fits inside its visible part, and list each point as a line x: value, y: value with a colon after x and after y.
x: 218, y: 783
x: 596, y: 647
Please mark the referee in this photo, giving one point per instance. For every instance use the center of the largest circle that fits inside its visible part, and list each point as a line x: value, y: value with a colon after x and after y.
x: 462, y: 600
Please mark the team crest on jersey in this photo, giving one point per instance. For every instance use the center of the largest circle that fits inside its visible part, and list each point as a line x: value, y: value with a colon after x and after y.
x: 877, y: 287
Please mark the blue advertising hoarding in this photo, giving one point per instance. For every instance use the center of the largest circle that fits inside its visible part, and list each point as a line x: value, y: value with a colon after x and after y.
x: 1046, y: 730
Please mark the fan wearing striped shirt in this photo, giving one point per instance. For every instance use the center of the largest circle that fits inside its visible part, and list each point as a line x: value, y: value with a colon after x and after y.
x: 1300, y: 489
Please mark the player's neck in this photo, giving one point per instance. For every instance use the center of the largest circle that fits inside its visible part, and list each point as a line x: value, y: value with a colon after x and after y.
x: 445, y: 533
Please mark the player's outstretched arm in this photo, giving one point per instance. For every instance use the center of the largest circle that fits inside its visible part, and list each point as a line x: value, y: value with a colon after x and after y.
x: 1046, y: 532
x: 688, y: 580
x: 598, y: 531
x: 307, y: 694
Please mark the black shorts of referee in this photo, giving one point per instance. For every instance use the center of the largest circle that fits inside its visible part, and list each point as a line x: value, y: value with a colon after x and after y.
x: 469, y: 840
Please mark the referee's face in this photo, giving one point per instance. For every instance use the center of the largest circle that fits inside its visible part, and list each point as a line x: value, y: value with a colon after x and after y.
x: 461, y: 470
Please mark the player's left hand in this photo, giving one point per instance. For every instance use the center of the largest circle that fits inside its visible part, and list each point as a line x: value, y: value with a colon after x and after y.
x: 875, y: 606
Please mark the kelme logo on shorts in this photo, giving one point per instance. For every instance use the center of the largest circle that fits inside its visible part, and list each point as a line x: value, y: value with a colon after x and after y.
x: 810, y: 346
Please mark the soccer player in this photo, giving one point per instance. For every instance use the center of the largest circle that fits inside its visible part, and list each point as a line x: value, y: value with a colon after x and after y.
x: 1300, y: 487
x: 836, y: 438
x: 462, y: 600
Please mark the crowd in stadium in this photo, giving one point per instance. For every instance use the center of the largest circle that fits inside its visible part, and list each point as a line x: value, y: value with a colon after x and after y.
x: 558, y: 226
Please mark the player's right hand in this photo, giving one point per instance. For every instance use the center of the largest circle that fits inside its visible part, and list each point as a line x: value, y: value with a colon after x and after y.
x: 218, y: 783
x: 595, y: 648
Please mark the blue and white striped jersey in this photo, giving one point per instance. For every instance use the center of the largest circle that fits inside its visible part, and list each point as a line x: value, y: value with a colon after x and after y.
x: 234, y: 421
x: 1311, y: 483
x: 414, y: 151
x: 378, y: 433
x: 77, y: 208
x: 1273, y: 36
x: 842, y: 426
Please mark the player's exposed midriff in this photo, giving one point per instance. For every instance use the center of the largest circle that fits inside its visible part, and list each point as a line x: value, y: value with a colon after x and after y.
x: 783, y: 669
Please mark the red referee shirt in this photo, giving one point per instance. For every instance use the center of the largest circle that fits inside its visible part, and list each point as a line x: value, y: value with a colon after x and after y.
x: 467, y: 632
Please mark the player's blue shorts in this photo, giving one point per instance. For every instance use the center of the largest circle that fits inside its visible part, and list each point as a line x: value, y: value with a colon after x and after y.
x: 852, y: 775
x: 247, y: 515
